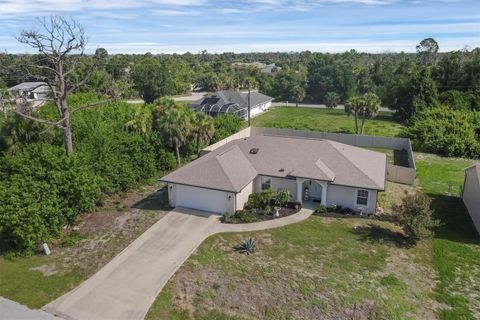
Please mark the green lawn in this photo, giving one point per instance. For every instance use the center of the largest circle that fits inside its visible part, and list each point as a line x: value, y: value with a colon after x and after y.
x: 456, y: 246
x: 20, y: 282
x: 316, y: 119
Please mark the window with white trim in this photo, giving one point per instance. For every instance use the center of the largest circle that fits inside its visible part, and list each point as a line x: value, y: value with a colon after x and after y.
x: 266, y: 183
x: 362, y: 197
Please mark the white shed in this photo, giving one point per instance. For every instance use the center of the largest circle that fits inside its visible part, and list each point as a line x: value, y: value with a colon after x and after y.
x: 471, y: 193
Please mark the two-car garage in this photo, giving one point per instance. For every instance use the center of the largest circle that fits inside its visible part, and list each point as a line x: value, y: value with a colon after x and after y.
x: 201, y: 198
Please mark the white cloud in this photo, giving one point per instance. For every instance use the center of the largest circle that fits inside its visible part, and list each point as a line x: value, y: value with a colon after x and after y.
x: 45, y: 7
x: 174, y: 12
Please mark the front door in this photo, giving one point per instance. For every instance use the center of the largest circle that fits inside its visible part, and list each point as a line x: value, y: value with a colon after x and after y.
x: 313, y: 189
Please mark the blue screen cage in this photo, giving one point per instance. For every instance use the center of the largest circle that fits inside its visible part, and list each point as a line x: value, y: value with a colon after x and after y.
x: 217, y: 110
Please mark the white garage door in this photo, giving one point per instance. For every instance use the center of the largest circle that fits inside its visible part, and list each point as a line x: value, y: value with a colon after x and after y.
x: 201, y: 199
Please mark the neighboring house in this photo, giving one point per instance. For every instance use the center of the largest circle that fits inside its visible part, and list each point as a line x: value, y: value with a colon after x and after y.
x: 271, y: 68
x: 265, y: 68
x: 471, y: 193
x: 233, y: 102
x: 333, y: 173
x: 31, y: 90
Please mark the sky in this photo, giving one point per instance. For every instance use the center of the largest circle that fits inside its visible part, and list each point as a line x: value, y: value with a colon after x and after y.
x: 168, y: 26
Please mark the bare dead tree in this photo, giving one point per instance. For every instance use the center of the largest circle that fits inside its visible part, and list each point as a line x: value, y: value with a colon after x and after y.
x: 61, y: 43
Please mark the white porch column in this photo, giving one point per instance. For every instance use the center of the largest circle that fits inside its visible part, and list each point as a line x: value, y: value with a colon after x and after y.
x: 299, y: 189
x: 324, y: 193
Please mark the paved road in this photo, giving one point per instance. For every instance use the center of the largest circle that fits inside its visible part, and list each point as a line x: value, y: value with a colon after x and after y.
x: 127, y: 286
x: 11, y: 310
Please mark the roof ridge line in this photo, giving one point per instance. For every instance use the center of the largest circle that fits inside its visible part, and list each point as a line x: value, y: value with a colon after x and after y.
x: 223, y: 169
x: 345, y: 157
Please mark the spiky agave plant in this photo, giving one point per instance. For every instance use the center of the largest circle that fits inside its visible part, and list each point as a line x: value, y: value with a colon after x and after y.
x: 247, y: 246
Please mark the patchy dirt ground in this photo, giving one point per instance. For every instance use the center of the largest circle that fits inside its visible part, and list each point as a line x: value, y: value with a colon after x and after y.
x: 323, y: 268
x: 394, y: 195
x: 101, y: 235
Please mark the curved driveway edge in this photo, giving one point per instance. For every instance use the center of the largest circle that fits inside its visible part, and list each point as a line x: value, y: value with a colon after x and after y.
x: 126, y: 287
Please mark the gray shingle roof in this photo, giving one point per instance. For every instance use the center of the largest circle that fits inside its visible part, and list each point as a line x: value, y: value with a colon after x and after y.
x: 232, y: 166
x: 233, y: 96
x: 29, y: 86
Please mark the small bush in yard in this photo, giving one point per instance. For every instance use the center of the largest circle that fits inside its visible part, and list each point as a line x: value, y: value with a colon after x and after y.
x: 321, y: 209
x: 243, y: 216
x: 415, y: 216
x: 282, y: 197
x: 247, y: 246
x: 259, y: 200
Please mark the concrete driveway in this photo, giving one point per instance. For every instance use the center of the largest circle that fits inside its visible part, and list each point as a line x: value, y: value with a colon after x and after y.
x: 127, y: 286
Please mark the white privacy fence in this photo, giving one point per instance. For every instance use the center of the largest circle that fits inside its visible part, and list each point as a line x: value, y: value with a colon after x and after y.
x: 395, y: 173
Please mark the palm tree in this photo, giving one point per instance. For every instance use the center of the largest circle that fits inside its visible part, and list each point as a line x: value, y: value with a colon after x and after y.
x: 371, y: 104
x: 174, y: 124
x: 141, y: 120
x: 202, y: 128
x: 355, y: 106
x: 365, y: 106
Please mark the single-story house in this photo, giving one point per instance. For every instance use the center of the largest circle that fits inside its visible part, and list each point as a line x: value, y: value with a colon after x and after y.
x: 271, y: 68
x: 471, y: 193
x: 324, y: 171
x: 233, y: 102
x: 31, y: 90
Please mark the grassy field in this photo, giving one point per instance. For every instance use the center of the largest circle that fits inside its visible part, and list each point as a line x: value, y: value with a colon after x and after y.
x: 319, y: 268
x: 456, y: 246
x: 316, y: 119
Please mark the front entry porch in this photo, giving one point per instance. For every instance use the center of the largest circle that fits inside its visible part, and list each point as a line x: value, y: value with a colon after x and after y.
x: 311, y: 191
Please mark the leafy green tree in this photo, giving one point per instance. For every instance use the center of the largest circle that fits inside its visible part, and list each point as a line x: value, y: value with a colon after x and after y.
x: 427, y: 51
x: 418, y: 93
x: 226, y: 125
x: 152, y: 79
x: 297, y: 94
x: 140, y: 121
x: 332, y: 99
x: 289, y: 85
x: 415, y: 216
x: 446, y: 131
x: 175, y: 125
x: 202, y: 129
x: 456, y: 99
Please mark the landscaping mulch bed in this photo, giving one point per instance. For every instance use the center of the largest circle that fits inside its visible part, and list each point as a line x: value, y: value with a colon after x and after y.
x: 250, y: 216
x: 378, y: 217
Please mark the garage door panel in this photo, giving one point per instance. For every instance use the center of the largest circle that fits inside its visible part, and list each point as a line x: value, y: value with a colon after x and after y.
x: 201, y: 199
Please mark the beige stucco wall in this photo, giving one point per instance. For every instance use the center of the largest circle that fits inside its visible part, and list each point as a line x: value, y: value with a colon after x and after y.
x: 471, y: 196
x: 346, y: 197
x: 242, y: 197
